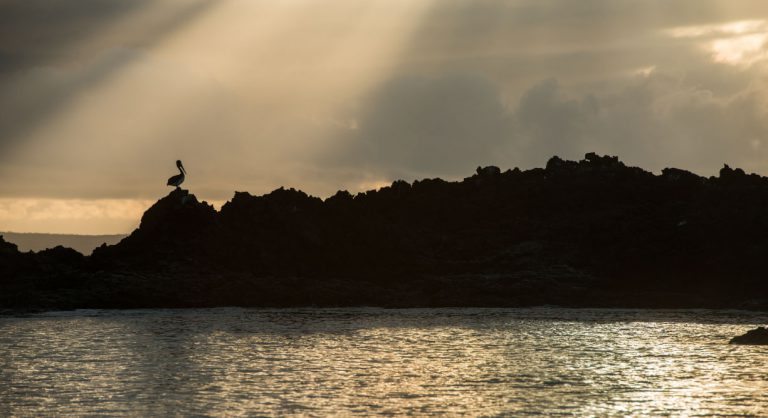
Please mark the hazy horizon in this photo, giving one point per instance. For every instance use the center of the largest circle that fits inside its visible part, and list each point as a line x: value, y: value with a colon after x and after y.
x: 101, y: 97
x: 85, y: 244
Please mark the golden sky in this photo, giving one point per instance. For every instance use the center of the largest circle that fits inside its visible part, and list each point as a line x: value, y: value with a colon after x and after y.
x: 100, y: 97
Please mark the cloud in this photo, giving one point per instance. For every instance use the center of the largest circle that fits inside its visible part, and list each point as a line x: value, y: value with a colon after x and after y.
x: 155, y: 112
x: 549, y: 122
x: 415, y: 126
x: 85, y: 42
x: 99, y: 98
x: 656, y: 121
x: 657, y: 83
x: 741, y: 43
x: 238, y: 93
x: 445, y: 126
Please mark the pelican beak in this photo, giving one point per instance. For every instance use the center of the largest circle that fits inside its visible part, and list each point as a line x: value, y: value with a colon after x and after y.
x: 183, y: 169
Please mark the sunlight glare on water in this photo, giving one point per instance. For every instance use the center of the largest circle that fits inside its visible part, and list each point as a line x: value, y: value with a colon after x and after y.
x: 318, y: 362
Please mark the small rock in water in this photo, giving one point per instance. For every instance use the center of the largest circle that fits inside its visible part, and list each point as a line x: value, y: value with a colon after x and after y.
x: 757, y: 336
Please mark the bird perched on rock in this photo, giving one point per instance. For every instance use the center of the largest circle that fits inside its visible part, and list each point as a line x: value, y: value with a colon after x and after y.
x: 179, y: 178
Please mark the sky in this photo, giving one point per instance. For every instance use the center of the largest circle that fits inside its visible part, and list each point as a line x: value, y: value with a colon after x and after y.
x: 99, y: 98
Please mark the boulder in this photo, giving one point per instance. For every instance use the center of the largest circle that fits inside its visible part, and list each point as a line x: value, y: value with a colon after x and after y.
x: 604, y: 161
x: 757, y: 336
x: 488, y: 171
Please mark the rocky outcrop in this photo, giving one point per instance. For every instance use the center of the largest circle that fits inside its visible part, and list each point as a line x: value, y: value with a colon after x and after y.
x: 593, y: 232
x: 174, y: 228
x: 757, y: 336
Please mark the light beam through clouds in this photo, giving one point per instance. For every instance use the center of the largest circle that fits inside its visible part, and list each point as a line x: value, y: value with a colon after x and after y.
x: 253, y: 95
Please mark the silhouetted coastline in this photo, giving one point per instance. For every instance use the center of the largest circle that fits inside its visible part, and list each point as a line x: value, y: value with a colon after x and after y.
x: 589, y: 233
x: 84, y: 244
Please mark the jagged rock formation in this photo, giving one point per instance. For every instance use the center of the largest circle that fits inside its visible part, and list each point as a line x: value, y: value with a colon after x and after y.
x: 577, y: 233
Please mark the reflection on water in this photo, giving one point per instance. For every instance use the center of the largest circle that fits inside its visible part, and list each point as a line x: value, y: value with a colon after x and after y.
x: 373, y: 361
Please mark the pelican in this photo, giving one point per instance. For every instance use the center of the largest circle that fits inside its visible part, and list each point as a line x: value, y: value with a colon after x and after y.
x: 179, y: 178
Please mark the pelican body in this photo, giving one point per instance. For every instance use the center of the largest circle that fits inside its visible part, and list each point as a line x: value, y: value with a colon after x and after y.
x: 179, y: 178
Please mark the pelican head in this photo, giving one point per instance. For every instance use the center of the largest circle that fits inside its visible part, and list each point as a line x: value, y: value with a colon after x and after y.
x: 180, y: 166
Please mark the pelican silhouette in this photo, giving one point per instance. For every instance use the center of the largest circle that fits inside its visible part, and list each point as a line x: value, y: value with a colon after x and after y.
x: 178, y: 178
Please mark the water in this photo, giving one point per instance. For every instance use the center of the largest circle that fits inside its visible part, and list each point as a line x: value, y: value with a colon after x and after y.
x: 319, y: 362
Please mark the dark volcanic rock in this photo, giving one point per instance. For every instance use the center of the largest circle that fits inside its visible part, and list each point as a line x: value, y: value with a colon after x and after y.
x: 593, y: 232
x: 757, y: 336
x: 173, y: 229
x: 7, y: 248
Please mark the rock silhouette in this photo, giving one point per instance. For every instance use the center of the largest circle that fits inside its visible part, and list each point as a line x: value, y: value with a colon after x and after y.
x: 757, y: 336
x: 593, y: 233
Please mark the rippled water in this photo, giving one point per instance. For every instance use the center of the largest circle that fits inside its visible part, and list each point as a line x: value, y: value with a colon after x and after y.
x: 319, y: 362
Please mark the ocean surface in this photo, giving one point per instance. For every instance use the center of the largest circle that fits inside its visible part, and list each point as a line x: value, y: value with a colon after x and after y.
x: 420, y: 362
